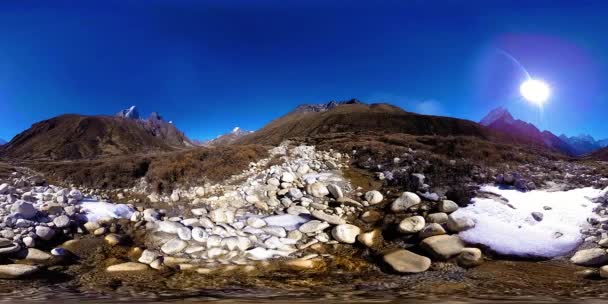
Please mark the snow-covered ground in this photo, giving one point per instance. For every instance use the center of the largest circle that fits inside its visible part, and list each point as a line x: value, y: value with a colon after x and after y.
x: 96, y: 210
x: 510, y: 229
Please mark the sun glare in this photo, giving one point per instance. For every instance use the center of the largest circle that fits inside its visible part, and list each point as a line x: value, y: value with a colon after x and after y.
x: 535, y: 91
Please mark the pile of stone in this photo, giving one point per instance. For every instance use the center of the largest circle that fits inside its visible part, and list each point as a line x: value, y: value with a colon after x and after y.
x: 35, y: 214
x: 277, y: 212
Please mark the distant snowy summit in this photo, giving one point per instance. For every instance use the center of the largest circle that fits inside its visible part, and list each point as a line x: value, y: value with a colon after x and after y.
x: 129, y: 113
x: 225, y: 139
x: 156, y: 126
x: 584, y: 143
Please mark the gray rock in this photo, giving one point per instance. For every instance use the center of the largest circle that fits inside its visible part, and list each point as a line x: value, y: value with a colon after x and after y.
x: 335, y: 190
x: 590, y: 257
x: 443, y: 246
x: 405, y: 201
x: 23, y: 209
x: 295, y: 194
x: 346, y: 233
x: 407, y: 262
x: 45, y: 233
x: 287, y: 177
x: 538, y: 216
x: 373, y: 197
x: 411, y: 224
x: 61, y: 221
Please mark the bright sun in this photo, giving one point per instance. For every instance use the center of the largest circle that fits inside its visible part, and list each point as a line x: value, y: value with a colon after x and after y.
x: 535, y: 91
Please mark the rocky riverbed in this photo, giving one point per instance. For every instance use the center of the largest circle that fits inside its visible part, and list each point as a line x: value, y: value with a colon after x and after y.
x: 291, y: 219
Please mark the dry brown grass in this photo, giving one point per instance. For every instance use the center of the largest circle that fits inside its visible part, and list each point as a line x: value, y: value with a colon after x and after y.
x: 163, y: 171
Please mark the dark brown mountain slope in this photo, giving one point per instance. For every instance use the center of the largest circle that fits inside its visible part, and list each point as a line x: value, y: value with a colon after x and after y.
x: 70, y: 137
x: 361, y: 118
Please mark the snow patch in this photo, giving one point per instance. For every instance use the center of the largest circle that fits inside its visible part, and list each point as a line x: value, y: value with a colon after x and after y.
x: 96, y: 210
x: 288, y: 221
x: 509, y: 228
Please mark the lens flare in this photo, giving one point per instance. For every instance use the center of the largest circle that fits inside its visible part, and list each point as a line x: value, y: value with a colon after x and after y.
x: 535, y: 91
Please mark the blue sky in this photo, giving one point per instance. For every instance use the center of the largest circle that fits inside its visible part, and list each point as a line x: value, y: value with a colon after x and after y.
x: 212, y: 65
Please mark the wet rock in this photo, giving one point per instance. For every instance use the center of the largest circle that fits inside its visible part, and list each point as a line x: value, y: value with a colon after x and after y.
x: 34, y: 255
x: 447, y: 206
x: 371, y: 239
x: 411, y: 224
x: 15, y: 271
x: 174, y: 246
x: 590, y: 257
x: 443, y: 246
x: 112, y: 239
x: 470, y: 257
x: 604, y: 272
x: 371, y: 216
x: 346, y: 233
x: 10, y: 247
x: 407, y: 262
x: 148, y: 256
x: 373, y: 197
x: 405, y: 201
x: 127, y: 267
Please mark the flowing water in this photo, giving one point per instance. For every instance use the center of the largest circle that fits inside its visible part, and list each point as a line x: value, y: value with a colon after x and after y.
x: 497, y: 281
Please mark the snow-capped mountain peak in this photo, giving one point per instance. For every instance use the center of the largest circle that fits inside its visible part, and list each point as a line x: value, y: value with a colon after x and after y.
x: 131, y: 113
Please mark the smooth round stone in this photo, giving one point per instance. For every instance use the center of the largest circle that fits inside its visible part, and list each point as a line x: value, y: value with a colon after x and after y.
x: 174, y: 246
x: 127, y: 267
x: 431, y: 229
x: 373, y: 197
x: 407, y: 262
x: 15, y: 271
x: 447, y: 206
x: 470, y: 257
x: 412, y: 224
x: 313, y: 226
x: 147, y: 257
x: 45, y: 233
x: 184, y: 233
x: 112, y: 239
x: 346, y: 233
x: 405, y: 201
